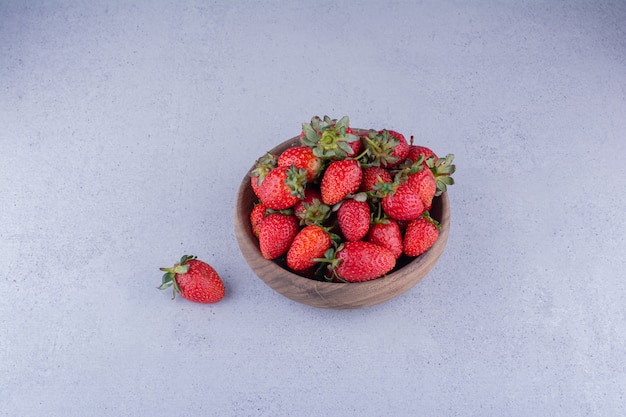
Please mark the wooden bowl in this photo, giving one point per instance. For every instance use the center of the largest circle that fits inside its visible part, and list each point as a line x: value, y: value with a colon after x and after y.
x: 332, y: 295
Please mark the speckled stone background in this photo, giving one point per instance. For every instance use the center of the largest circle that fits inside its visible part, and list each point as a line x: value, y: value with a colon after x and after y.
x: 126, y: 127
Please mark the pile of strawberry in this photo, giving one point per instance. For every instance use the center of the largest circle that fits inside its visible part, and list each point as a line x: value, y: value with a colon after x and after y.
x: 345, y: 204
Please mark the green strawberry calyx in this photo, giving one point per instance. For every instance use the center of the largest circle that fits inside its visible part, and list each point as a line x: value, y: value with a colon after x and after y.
x: 407, y: 168
x: 288, y: 211
x: 315, y: 212
x: 296, y: 181
x: 442, y: 169
x: 329, y: 138
x: 169, y: 278
x: 379, y: 148
x: 263, y: 166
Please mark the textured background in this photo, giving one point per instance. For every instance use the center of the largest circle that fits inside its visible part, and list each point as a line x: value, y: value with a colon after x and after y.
x: 126, y: 127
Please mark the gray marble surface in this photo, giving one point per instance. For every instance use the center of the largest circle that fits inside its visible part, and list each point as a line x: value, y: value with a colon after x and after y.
x: 126, y: 128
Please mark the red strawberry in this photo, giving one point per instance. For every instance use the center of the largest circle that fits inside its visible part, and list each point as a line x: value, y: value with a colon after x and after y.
x: 341, y: 178
x: 282, y: 187
x: 403, y: 203
x: 256, y: 218
x: 301, y: 157
x: 387, y: 233
x: 310, y: 243
x: 424, y: 184
x: 353, y: 217
x: 401, y: 150
x: 420, y: 235
x: 262, y: 167
x: 372, y: 175
x: 416, y: 151
x: 276, y: 234
x: 194, y: 280
x: 362, y: 261
x: 254, y: 182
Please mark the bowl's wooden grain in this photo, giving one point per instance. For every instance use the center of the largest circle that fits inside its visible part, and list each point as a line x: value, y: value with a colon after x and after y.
x: 408, y: 272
